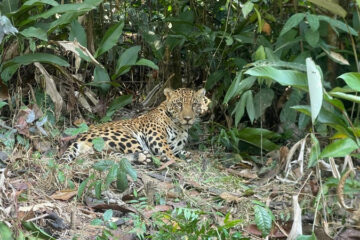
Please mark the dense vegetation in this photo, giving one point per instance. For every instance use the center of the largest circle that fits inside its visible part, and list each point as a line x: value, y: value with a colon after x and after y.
x: 283, y: 77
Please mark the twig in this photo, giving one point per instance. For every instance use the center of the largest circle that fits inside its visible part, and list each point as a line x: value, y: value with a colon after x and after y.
x: 38, y: 217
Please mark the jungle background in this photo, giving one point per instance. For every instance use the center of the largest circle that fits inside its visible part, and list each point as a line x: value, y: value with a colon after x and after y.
x: 276, y: 157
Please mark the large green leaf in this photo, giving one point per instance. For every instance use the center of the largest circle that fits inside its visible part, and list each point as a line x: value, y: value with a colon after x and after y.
x: 11, y: 66
x: 315, y: 88
x: 331, y: 6
x: 338, y: 24
x: 147, y: 63
x: 293, y: 21
x: 5, y: 232
x: 110, y: 38
x: 27, y: 5
x: 263, y: 219
x: 126, y: 60
x: 350, y: 97
x: 282, y: 64
x: 77, y: 32
x: 339, y: 148
x: 312, y: 37
x: 313, y: 21
x: 64, y: 19
x: 284, y: 77
x: 352, y: 79
x: 9, y: 6
x: 258, y: 137
x: 101, y: 78
x: 34, y: 32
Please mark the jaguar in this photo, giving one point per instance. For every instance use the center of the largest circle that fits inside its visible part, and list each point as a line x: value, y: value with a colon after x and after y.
x: 162, y: 131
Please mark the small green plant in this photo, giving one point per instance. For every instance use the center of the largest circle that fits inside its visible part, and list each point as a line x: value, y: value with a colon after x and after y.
x: 105, y: 221
x: 263, y: 218
x: 192, y: 224
x: 115, y: 172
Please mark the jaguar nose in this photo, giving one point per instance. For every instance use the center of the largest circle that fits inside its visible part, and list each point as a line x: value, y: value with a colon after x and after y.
x: 187, y: 118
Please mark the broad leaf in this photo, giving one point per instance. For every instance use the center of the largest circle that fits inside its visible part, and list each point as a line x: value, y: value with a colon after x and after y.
x: 352, y: 79
x: 75, y: 131
x: 112, y: 175
x: 263, y: 220
x: 126, y: 60
x: 293, y: 21
x: 350, y: 97
x: 98, y: 144
x: 315, y: 88
x: 338, y: 24
x: 125, y: 166
x: 77, y: 32
x: 122, y: 182
x: 258, y: 137
x: 313, y: 21
x: 232, y: 90
x: 247, y: 8
x: 34, y: 32
x: 110, y: 38
x: 213, y: 79
x: 339, y: 148
x: 331, y: 6
x: 147, y: 63
x: 312, y: 37
x: 284, y: 77
x: 108, y: 215
x: 101, y: 78
x: 315, y: 151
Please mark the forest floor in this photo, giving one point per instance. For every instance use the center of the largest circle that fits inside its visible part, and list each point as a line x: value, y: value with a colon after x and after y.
x: 31, y: 192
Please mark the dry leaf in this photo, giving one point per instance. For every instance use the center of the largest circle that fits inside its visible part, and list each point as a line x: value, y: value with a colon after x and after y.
x: 63, y: 195
x: 50, y: 89
x: 229, y: 197
x: 36, y: 207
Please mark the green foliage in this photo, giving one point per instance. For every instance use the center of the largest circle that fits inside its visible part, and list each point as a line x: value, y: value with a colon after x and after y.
x: 36, y: 230
x: 105, y: 221
x: 115, y: 172
x: 98, y: 144
x: 263, y: 219
x: 75, y: 131
x: 188, y: 222
x: 5, y: 232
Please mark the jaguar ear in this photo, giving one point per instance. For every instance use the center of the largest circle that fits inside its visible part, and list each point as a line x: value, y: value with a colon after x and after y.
x: 168, y: 92
x: 201, y: 92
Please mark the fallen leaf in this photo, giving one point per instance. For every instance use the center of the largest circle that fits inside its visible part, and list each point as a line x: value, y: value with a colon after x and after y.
x: 50, y: 89
x: 229, y: 197
x: 64, y: 195
x: 36, y: 207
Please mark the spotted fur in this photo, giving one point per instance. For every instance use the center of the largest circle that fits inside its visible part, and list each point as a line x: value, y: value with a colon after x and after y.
x: 162, y: 131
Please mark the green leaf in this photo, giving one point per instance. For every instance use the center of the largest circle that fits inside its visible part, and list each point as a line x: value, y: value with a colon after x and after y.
x: 107, y: 215
x: 37, y: 57
x: 263, y: 220
x: 98, y: 185
x: 258, y: 137
x: 5, y: 232
x: 82, y: 187
x: 247, y: 8
x: 307, y: 237
x: 350, y: 97
x: 2, y: 104
x: 315, y: 88
x: 260, y: 54
x: 115, y: 105
x: 103, y: 165
x: 240, y: 107
x: 331, y: 6
x: 126, y: 60
x: 147, y: 63
x: 110, y: 38
x: 98, y: 144
x: 125, y: 166
x: 9, y: 6
x: 284, y: 77
x: 233, y: 89
x: 315, y: 151
x: 312, y: 37
x: 339, y: 148
x: 77, y: 32
x: 75, y: 131
x: 64, y: 19
x: 213, y: 79
x: 352, y: 79
x: 262, y: 100
x: 61, y: 177
x: 34, y: 32
x: 268, y: 63
x: 121, y: 181
x: 313, y: 21
x: 97, y: 222
x: 37, y: 231
x: 293, y: 21
x: 338, y: 24
x: 101, y: 78
x: 250, y: 108
x: 112, y: 175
